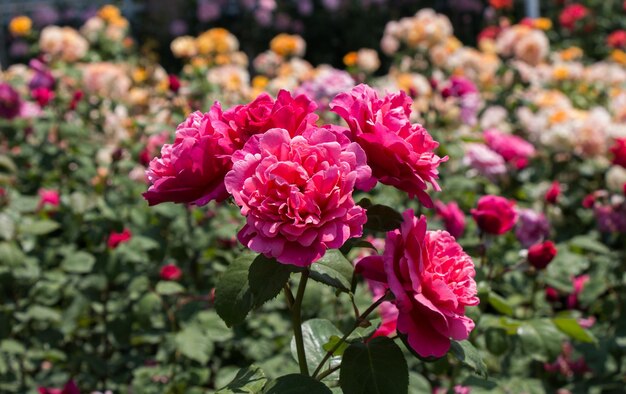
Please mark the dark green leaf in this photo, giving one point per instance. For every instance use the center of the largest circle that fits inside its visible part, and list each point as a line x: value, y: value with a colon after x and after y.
x: 500, y: 304
x: 382, y: 218
x: 496, y: 340
x: 194, y: 344
x: 233, y: 299
x: 315, y: 334
x: 333, y: 270
x: 375, y: 367
x: 468, y: 355
x: 266, y: 278
x: 296, y: 384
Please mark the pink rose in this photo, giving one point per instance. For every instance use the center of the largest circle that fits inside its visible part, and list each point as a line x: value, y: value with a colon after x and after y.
x: 553, y: 193
x: 49, y: 197
x: 192, y: 169
x: 69, y: 388
x: 170, y: 272
x: 432, y: 279
x: 579, y: 283
x: 495, y: 214
x: 400, y: 154
x: 294, y: 114
x: 452, y: 216
x: 513, y: 149
x: 619, y: 152
x: 155, y: 142
x: 296, y: 194
x: 115, y: 239
x: 42, y: 95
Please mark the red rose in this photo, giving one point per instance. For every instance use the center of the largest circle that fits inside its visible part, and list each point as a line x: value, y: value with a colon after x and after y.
x: 173, y: 82
x: 540, y: 255
x: 117, y: 238
x: 171, y: 272
x: 494, y: 214
x: 619, y: 152
x: 553, y: 193
x: 501, y: 4
x: 42, y: 95
x: 489, y: 32
x: 572, y: 14
x: 617, y: 39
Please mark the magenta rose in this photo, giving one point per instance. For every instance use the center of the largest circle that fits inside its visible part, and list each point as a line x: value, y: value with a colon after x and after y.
x: 452, y: 216
x: 192, y: 169
x: 400, y: 154
x: 296, y: 194
x: 294, y: 114
x: 432, y: 279
x: 495, y: 214
x: 10, y: 102
x: 513, y: 149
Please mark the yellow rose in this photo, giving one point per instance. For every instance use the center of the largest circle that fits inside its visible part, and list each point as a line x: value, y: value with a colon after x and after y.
x: 350, y: 59
x: 109, y: 13
x: 542, y: 24
x: 20, y: 26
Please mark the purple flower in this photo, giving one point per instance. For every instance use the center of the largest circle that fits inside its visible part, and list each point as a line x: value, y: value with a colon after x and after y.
x: 532, y: 227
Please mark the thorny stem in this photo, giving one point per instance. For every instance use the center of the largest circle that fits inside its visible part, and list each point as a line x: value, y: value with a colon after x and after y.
x: 356, y: 325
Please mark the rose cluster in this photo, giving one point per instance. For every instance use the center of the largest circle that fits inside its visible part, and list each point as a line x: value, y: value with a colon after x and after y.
x: 293, y: 178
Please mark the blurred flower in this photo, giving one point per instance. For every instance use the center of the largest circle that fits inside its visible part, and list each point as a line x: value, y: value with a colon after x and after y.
x: 42, y: 95
x: 540, y: 255
x: 565, y: 364
x: 49, y: 197
x: 10, y: 102
x: 501, y: 4
x: 571, y: 14
x: 76, y: 97
x: 63, y: 42
x: 367, y: 60
x: 69, y: 388
x: 619, y: 152
x: 20, y: 26
x: 173, y: 83
x: 531, y: 227
x: 495, y: 214
x: 512, y: 148
x: 288, y: 45
x: 617, y: 39
x: 482, y: 159
x: 615, y: 178
x: 553, y: 193
x: 115, y: 239
x: 42, y: 77
x: 452, y: 216
x: 184, y: 47
x: 579, y: 283
x: 170, y: 272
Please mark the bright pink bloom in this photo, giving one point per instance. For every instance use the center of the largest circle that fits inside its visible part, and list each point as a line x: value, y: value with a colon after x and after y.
x: 553, y: 193
x: 155, y: 142
x: 192, y: 169
x: 76, y: 97
x: 617, y: 39
x: 453, y: 217
x: 115, y: 239
x: 400, y: 154
x: 495, y: 214
x: 572, y: 14
x: 619, y: 152
x: 512, y: 148
x: 294, y: 114
x: 458, y: 87
x: 579, y: 283
x: 69, y: 388
x: 540, y: 255
x: 42, y: 95
x: 49, y: 197
x: 296, y: 193
x: 489, y: 32
x: 170, y: 272
x: 432, y: 279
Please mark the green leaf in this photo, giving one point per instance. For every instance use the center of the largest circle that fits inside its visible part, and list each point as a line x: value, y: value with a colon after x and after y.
x: 11, y: 255
x: 78, y: 262
x: 233, y: 298
x: 11, y: 346
x: 165, y: 287
x: 194, y: 344
x: 7, y: 226
x: 266, y: 278
x: 333, y: 270
x: 540, y: 339
x: 296, y: 384
x: 248, y: 380
x: 315, y: 334
x: 570, y: 326
x: 418, y: 384
x: 496, y: 340
x: 468, y: 355
x: 375, y: 367
x: 586, y: 242
x: 334, y: 341
x: 382, y: 218
x: 39, y: 227
x: 500, y: 304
